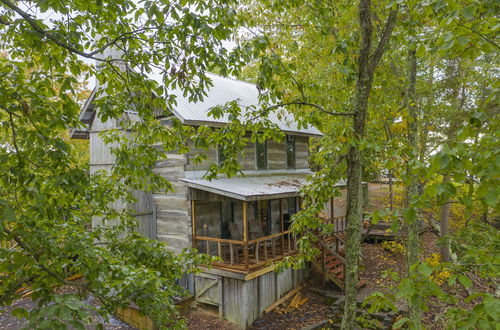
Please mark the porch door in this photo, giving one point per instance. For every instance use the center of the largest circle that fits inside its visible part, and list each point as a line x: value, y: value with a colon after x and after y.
x: 208, y: 289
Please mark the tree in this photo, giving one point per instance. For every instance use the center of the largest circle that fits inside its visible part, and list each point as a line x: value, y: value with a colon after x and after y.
x: 308, y: 65
x: 314, y: 24
x: 367, y: 63
x: 47, y: 198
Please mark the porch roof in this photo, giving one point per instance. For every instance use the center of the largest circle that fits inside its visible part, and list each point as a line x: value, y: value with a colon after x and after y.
x: 252, y: 188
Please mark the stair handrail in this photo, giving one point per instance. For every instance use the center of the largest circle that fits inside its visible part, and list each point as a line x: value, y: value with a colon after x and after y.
x: 329, y: 249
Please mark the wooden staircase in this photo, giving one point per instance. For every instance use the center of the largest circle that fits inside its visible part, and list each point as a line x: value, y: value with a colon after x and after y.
x: 331, y: 261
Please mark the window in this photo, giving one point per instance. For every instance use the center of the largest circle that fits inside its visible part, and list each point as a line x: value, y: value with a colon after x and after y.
x: 220, y: 155
x: 261, y: 155
x: 290, y: 151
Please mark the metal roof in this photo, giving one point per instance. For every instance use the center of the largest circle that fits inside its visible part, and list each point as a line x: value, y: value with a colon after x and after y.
x: 225, y: 90
x: 251, y: 188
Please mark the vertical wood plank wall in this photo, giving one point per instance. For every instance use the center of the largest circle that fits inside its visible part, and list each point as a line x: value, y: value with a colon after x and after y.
x: 245, y: 301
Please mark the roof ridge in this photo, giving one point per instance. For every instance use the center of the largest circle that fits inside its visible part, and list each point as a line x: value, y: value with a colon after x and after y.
x: 233, y: 79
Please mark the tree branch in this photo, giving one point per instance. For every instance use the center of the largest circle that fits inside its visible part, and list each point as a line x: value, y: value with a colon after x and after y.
x: 27, y: 17
x: 36, y: 257
x: 40, y: 30
x: 384, y: 38
x: 320, y: 108
x: 479, y: 34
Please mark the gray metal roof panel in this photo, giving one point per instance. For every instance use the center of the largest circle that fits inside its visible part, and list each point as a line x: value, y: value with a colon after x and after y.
x: 251, y: 188
x: 225, y: 90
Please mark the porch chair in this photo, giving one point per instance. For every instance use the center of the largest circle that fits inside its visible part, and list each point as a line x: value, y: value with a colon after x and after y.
x: 257, y: 232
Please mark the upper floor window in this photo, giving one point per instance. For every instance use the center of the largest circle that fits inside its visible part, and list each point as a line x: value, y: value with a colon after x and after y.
x: 261, y: 155
x: 220, y: 155
x: 290, y: 151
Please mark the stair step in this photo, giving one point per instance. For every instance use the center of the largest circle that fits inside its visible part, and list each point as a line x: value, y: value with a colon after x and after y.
x: 333, y: 264
x: 361, y: 283
x: 331, y: 258
x: 337, y: 270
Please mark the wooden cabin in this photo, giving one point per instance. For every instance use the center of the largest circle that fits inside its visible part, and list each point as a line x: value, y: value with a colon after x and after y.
x: 243, y: 220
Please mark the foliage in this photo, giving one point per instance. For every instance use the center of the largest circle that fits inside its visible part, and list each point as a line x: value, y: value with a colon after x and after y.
x: 450, y: 282
x: 306, y: 56
x: 394, y: 247
x: 310, y: 63
x: 47, y: 198
x: 440, y: 273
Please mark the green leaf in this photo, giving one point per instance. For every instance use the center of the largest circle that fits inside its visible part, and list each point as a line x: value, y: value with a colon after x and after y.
x: 9, y: 215
x: 20, y: 313
x: 491, y: 197
x: 424, y: 269
x: 77, y: 324
x: 399, y: 323
x: 465, y: 281
x: 492, y: 307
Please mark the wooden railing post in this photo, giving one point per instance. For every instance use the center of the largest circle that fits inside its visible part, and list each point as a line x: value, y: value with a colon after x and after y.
x: 332, y: 211
x: 245, y: 235
x: 193, y: 223
x: 282, y: 221
x: 324, y: 257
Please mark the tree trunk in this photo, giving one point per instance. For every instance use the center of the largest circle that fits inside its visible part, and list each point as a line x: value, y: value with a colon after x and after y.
x: 413, y: 184
x: 424, y: 129
x: 366, y: 66
x: 444, y: 245
x: 391, y: 192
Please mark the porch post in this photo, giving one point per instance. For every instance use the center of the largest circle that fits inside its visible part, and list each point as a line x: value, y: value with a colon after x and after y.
x: 193, y: 223
x: 282, y: 221
x: 245, y: 235
x: 331, y: 207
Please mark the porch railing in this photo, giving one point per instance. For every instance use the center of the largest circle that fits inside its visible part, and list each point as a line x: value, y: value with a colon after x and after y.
x: 241, y: 255
x: 339, y: 223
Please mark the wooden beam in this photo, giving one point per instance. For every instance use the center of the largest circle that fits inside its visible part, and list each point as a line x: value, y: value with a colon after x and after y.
x: 245, y: 223
x: 332, y: 213
x: 216, y: 239
x: 193, y: 223
x: 260, y: 272
x: 245, y: 234
x: 282, y: 299
x: 239, y: 275
x: 282, y: 221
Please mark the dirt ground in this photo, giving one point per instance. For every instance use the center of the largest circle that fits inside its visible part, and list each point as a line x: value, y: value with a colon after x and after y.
x: 314, y: 310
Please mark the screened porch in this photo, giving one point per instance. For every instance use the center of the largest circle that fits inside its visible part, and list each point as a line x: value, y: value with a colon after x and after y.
x: 246, y: 232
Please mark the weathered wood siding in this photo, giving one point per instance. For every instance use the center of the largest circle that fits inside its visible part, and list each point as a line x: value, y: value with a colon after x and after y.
x: 245, y: 301
x: 247, y: 158
x: 101, y: 159
x: 173, y: 209
x: 275, y: 216
x: 211, y: 154
x: 276, y: 155
x: 301, y: 152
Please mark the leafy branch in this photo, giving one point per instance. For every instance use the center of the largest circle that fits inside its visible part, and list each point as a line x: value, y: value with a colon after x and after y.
x: 34, y: 24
